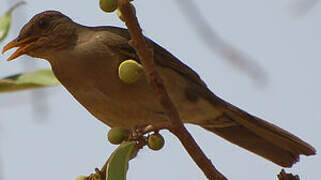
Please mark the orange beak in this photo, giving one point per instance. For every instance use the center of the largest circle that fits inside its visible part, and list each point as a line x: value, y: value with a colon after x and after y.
x: 23, y: 45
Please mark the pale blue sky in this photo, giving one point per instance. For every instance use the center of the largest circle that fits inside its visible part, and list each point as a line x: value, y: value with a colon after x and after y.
x: 70, y: 142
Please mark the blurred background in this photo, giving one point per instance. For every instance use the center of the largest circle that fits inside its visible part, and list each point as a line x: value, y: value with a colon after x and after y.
x: 45, y: 133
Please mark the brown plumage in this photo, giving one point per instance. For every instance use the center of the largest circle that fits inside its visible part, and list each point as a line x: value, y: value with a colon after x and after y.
x: 86, y: 60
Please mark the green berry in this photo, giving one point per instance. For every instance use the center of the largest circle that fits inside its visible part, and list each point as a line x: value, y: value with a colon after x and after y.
x: 108, y: 5
x: 156, y: 142
x: 81, y: 178
x: 130, y: 71
x: 117, y: 135
x: 120, y: 15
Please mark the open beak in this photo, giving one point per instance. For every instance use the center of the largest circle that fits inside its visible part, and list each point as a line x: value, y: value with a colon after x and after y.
x: 24, y: 46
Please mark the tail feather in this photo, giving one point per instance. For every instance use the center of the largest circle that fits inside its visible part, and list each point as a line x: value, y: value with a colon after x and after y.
x: 259, y: 136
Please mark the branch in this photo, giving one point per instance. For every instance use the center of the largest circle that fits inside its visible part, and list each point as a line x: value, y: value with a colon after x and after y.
x: 217, y: 44
x: 145, y: 53
x: 287, y: 176
x: 303, y: 7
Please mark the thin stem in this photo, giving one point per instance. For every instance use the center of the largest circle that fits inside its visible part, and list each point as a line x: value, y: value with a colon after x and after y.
x: 15, y: 7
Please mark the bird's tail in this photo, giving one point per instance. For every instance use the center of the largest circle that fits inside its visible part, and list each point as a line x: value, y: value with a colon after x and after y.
x: 258, y: 136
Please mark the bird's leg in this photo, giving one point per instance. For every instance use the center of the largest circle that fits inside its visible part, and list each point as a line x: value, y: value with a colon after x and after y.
x: 139, y: 131
x: 135, y: 133
x: 156, y: 128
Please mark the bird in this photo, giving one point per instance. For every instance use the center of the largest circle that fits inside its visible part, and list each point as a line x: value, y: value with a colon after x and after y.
x: 86, y: 59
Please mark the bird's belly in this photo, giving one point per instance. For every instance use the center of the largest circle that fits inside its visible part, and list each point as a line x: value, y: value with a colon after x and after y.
x: 116, y: 103
x: 115, y: 110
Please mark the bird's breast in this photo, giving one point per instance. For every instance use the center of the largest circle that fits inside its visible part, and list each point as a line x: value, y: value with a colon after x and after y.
x: 96, y: 85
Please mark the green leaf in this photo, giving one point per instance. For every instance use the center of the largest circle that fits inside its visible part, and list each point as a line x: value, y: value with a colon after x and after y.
x: 4, y: 26
x: 37, y: 79
x: 5, y: 21
x: 118, y: 162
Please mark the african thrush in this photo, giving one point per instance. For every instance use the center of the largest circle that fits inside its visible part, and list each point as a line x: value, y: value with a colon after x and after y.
x: 86, y: 59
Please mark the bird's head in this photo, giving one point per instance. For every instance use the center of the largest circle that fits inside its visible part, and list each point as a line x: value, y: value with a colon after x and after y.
x: 43, y: 34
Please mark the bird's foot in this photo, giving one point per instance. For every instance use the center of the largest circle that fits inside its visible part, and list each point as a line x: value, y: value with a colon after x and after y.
x: 138, y: 132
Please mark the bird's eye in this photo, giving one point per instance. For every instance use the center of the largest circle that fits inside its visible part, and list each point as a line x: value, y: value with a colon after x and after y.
x: 43, y: 24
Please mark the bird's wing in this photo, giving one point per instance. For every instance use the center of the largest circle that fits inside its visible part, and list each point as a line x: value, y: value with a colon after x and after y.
x: 247, y: 131
x: 162, y: 57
